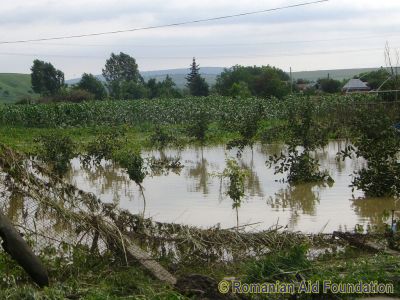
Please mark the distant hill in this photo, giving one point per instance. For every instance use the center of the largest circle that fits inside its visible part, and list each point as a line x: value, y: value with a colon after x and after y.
x: 14, y: 86
x: 338, y: 74
x: 211, y: 73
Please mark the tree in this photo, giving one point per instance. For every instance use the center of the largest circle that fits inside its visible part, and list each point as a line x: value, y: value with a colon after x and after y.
x: 264, y: 81
x: 132, y: 90
x: 46, y: 80
x: 168, y: 89
x: 120, y: 68
x: 240, y: 89
x: 92, y: 85
x: 163, y: 89
x: 197, y: 85
x: 328, y: 85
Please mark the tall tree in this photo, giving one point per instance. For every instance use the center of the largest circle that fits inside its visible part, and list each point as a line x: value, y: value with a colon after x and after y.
x: 120, y: 68
x: 46, y: 80
x: 92, y: 85
x: 197, y: 85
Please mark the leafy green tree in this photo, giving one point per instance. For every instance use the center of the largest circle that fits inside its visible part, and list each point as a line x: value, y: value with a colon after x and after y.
x: 164, y: 89
x: 92, y: 85
x: 132, y: 90
x: 168, y: 89
x: 240, y: 89
x: 329, y: 85
x: 265, y: 81
x: 195, y: 82
x: 119, y: 69
x: 46, y: 80
x: 152, y: 86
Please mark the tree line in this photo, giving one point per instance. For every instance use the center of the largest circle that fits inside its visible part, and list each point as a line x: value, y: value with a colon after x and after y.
x: 124, y: 81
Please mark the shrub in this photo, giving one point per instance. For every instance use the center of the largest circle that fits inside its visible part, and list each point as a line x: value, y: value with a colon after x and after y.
x: 57, y: 150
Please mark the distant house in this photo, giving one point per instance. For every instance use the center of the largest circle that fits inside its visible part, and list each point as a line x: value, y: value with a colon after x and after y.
x: 355, y: 85
x: 306, y: 86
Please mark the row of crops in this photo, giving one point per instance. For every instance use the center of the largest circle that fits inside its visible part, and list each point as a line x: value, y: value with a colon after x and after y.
x: 171, y: 111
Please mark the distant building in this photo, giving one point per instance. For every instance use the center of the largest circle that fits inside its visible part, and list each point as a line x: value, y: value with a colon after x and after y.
x: 306, y: 86
x: 355, y: 85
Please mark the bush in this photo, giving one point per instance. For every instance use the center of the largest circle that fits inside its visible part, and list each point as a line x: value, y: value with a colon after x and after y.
x: 57, y: 150
x: 74, y: 96
x: 378, y: 142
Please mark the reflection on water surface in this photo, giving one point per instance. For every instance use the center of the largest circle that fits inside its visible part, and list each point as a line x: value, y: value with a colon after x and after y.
x: 196, y: 197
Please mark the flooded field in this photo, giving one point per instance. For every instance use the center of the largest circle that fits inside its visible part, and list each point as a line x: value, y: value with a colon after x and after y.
x: 195, y: 197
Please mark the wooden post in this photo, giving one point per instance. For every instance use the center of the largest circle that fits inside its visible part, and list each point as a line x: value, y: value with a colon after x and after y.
x: 15, y: 245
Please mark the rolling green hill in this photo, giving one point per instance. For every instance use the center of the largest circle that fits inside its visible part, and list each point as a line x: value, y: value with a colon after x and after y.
x: 14, y: 86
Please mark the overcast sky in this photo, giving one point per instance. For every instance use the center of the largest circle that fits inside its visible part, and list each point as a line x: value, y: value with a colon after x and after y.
x: 330, y: 35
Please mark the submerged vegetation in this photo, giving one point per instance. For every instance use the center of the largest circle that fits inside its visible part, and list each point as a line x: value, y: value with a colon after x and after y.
x: 57, y: 151
x: 377, y: 141
x: 304, y: 134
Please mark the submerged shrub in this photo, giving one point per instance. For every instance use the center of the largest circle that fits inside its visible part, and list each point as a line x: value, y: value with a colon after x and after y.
x: 304, y: 131
x: 236, y: 177
x: 161, y: 138
x: 378, y: 142
x: 56, y: 150
x: 104, y: 145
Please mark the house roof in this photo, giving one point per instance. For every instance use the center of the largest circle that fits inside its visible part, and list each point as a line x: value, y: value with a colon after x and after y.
x: 355, y: 84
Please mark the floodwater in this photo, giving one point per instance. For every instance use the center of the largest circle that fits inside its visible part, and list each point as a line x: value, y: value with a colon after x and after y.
x: 195, y: 196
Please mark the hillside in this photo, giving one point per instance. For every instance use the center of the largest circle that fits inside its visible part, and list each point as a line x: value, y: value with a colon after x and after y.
x: 338, y: 74
x: 14, y: 86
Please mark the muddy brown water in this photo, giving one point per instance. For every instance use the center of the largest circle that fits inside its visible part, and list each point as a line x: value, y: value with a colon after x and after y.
x: 196, y: 197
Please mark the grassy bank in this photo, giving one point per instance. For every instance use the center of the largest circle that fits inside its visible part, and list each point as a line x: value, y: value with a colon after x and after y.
x: 85, y: 275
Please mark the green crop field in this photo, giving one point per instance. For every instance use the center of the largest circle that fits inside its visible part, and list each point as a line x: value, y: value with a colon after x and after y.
x: 222, y: 110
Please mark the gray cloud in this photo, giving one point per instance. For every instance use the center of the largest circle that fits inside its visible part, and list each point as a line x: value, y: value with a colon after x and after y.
x: 246, y: 40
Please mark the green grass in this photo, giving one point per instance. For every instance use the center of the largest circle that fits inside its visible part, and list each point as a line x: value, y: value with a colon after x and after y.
x: 87, y: 276
x: 13, y: 87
